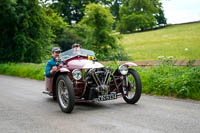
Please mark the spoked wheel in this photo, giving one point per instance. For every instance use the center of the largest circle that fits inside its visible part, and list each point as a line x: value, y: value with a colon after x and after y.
x: 134, y: 88
x: 65, y: 93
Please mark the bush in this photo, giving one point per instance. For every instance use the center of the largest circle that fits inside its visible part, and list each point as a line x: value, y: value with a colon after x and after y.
x: 24, y: 70
x: 174, y: 81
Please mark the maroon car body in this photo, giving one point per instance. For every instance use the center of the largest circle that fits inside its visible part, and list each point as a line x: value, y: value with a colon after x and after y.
x: 82, y: 79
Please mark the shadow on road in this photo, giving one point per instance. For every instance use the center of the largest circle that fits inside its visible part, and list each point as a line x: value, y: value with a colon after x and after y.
x: 96, y: 106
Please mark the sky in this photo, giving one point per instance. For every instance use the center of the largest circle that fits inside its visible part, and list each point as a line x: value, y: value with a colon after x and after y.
x: 181, y: 11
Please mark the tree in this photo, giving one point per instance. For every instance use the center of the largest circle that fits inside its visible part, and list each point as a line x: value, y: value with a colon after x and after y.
x: 115, y: 10
x: 68, y: 38
x: 138, y: 15
x: 73, y: 10
x: 26, y: 30
x: 98, y: 24
x: 160, y: 17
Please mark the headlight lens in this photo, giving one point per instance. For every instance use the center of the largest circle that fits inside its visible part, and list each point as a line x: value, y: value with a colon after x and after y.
x: 123, y: 70
x: 77, y: 75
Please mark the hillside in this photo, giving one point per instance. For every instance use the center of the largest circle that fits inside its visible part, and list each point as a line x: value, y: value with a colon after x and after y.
x: 179, y: 41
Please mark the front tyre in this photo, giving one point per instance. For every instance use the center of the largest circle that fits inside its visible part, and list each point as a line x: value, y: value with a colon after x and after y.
x: 65, y: 93
x: 134, y: 88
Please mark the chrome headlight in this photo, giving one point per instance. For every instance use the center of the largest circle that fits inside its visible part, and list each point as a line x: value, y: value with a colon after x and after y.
x: 123, y: 70
x: 77, y: 75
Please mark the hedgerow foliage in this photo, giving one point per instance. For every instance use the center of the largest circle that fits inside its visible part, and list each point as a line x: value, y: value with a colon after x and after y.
x: 24, y: 70
x: 166, y: 80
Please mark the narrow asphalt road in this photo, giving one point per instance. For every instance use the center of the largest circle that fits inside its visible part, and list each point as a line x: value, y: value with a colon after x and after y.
x: 24, y: 109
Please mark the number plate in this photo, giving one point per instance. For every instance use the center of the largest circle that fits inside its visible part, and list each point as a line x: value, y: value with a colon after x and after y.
x: 107, y: 97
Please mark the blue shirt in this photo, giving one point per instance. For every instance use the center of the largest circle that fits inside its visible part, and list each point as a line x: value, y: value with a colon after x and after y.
x: 51, y: 63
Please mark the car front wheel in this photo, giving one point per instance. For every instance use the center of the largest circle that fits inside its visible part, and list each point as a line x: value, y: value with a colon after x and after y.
x: 134, y: 88
x: 65, y: 93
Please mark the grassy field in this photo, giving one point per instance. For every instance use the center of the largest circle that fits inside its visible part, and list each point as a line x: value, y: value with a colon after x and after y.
x: 179, y: 41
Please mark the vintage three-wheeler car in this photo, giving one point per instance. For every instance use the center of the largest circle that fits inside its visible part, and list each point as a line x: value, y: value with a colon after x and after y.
x: 80, y: 78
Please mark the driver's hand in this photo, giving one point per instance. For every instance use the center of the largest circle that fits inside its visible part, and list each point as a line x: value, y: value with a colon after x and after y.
x: 54, y: 68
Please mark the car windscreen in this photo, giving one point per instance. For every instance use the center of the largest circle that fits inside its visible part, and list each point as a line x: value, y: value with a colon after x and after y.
x: 74, y: 52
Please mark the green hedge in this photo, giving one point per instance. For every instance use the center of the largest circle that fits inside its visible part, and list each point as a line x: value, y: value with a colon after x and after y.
x: 166, y: 80
x: 176, y: 81
x: 169, y: 80
x: 24, y: 70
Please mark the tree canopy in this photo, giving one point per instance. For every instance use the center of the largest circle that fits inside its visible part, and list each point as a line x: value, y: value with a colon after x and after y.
x: 139, y: 15
x: 98, y: 21
x: 26, y: 30
x: 29, y: 28
x: 73, y: 10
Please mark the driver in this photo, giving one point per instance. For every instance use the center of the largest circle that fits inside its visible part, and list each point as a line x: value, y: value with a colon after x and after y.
x: 53, y: 63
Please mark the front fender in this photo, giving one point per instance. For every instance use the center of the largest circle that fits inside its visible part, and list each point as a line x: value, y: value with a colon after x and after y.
x: 129, y: 64
x: 59, y: 72
x: 63, y: 70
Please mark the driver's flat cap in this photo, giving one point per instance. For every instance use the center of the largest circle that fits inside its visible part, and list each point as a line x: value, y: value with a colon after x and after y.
x: 55, y: 49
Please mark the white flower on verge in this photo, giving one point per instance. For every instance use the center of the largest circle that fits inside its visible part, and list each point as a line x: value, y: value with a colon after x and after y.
x: 160, y: 57
x: 186, y: 49
x: 170, y: 57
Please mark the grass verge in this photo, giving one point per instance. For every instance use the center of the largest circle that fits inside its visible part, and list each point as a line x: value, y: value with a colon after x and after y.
x: 175, y: 81
x: 165, y: 80
x: 24, y: 70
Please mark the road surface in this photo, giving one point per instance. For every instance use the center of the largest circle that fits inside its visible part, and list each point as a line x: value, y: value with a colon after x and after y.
x: 24, y: 109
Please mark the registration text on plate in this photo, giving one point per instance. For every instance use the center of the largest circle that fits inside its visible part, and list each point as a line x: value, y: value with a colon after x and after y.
x: 107, y: 97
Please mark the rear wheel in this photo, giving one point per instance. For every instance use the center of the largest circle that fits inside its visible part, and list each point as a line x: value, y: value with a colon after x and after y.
x: 65, y: 93
x: 134, y: 88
